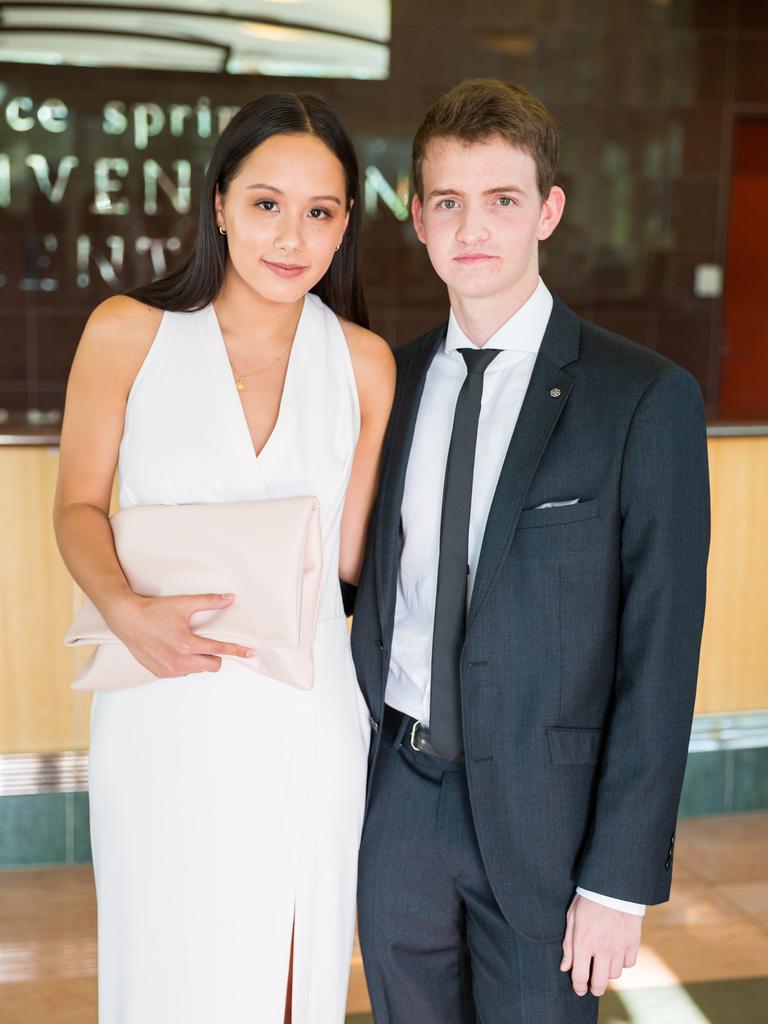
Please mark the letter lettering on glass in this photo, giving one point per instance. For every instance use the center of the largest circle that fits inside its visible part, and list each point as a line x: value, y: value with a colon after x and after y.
x: 33, y: 281
x: 378, y: 188
x: 5, y: 180
x: 204, y: 120
x: 110, y: 268
x: 177, y: 115
x: 53, y: 115
x: 179, y: 193
x: 223, y: 116
x: 14, y: 116
x: 53, y: 190
x: 104, y: 185
x: 115, y: 119
x: 148, y: 121
x: 156, y: 248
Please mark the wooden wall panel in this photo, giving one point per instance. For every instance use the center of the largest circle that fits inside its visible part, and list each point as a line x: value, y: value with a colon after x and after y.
x: 734, y: 656
x: 39, y: 713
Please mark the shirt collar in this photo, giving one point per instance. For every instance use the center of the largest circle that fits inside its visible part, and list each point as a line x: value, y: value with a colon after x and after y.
x: 523, y: 332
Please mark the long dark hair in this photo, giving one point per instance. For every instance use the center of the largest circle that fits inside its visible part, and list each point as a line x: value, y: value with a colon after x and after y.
x: 198, y: 280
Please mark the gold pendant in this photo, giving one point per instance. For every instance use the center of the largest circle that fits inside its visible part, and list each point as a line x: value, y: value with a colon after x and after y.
x: 240, y: 384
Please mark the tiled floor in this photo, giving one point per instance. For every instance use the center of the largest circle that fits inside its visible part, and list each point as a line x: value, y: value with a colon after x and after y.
x: 704, y: 958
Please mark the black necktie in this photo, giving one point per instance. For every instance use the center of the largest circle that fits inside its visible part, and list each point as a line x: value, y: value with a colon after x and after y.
x: 452, y: 567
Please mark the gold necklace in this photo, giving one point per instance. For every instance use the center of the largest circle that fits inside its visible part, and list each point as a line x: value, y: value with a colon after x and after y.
x: 241, y: 378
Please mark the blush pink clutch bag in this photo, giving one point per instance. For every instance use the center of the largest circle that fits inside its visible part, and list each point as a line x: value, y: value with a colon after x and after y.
x: 267, y: 553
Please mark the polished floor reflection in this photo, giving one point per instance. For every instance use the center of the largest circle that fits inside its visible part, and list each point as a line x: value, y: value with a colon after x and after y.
x: 704, y: 958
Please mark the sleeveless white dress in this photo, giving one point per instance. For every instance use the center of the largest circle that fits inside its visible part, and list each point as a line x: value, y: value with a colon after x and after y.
x: 225, y: 806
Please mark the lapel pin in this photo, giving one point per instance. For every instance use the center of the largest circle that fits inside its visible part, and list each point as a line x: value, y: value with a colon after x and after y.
x: 555, y: 392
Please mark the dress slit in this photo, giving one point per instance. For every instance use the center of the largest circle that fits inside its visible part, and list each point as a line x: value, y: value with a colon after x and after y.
x: 288, y: 1015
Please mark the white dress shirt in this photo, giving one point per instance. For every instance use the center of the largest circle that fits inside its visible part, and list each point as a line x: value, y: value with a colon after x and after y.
x: 505, y: 383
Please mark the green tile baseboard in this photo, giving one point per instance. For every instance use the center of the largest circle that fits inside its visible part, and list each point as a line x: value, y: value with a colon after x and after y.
x: 725, y: 781
x: 44, y: 798
x: 44, y: 828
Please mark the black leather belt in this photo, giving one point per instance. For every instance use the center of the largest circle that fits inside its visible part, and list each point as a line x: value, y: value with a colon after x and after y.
x: 412, y: 733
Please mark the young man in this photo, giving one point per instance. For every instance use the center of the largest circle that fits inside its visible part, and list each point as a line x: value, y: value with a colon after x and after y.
x: 527, y: 625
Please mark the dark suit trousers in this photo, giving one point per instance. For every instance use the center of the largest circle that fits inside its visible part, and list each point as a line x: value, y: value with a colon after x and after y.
x: 436, y: 947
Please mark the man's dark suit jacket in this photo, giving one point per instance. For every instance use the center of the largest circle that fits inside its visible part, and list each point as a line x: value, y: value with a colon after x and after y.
x: 578, y: 670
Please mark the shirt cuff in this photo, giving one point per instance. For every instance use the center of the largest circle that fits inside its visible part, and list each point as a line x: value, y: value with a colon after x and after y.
x: 608, y: 901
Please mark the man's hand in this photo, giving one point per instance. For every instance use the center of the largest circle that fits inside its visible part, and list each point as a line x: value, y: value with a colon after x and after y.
x: 599, y: 943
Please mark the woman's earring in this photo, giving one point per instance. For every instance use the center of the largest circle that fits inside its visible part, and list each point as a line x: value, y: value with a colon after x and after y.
x: 337, y: 247
x: 222, y: 231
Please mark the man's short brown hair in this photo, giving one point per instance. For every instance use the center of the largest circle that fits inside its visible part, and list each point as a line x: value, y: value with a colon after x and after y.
x: 478, y: 109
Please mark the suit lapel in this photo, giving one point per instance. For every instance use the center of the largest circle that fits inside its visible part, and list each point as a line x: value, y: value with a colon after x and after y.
x: 545, y: 400
x: 414, y: 374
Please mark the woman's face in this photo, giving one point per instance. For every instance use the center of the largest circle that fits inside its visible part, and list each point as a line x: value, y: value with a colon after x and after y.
x: 285, y: 213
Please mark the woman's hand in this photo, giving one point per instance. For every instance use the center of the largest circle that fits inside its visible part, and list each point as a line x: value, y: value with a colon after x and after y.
x: 157, y: 633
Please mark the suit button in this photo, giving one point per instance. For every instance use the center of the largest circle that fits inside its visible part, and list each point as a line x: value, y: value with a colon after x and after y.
x: 668, y: 863
x: 380, y: 645
x: 374, y: 723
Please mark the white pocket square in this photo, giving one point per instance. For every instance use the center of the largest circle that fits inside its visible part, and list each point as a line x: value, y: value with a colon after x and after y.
x: 557, y: 504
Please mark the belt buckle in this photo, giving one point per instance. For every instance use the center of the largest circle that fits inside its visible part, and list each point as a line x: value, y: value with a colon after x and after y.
x: 414, y: 727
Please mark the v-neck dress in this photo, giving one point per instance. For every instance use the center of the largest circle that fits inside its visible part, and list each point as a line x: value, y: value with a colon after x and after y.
x: 227, y: 807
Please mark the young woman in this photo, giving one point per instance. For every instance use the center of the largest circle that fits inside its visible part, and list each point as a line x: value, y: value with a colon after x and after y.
x: 226, y: 807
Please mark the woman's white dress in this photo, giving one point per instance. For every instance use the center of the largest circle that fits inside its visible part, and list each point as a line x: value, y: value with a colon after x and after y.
x: 226, y: 805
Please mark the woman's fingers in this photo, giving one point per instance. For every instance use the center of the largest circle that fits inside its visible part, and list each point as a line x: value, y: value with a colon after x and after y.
x: 204, y: 663
x: 204, y: 645
x: 204, y: 602
x: 159, y: 636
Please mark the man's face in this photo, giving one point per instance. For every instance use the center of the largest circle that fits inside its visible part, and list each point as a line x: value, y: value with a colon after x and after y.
x: 482, y: 217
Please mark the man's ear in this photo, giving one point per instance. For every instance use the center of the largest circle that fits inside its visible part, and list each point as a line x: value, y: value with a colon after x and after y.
x: 417, y: 212
x: 551, y: 212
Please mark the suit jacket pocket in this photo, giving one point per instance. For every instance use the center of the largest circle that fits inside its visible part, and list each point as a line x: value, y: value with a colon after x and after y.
x: 558, y: 516
x: 574, y: 746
